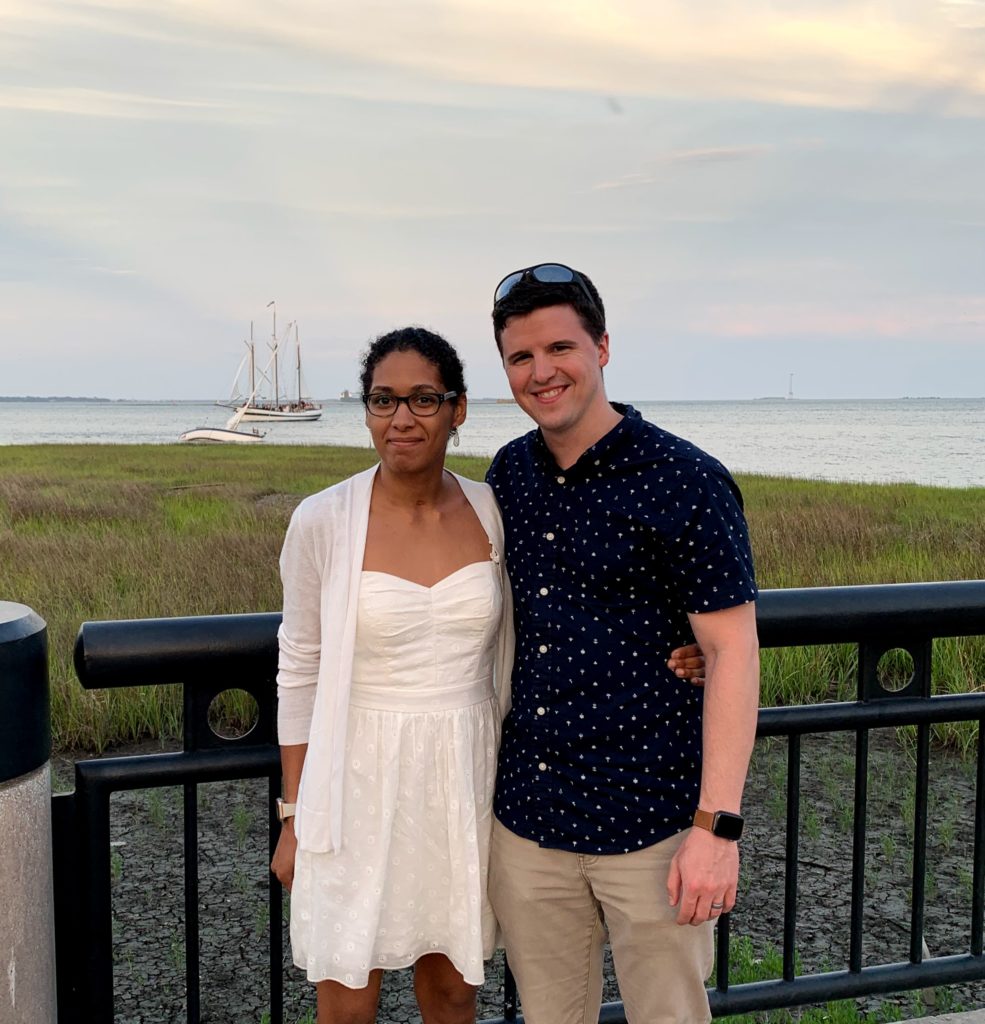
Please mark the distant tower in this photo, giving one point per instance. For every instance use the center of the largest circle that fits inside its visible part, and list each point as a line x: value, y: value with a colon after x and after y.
x: 790, y: 388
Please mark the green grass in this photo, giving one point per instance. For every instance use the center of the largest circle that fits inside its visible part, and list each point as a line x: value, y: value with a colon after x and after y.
x: 119, y: 531
x: 746, y: 966
x: 308, y: 1017
x: 811, y: 533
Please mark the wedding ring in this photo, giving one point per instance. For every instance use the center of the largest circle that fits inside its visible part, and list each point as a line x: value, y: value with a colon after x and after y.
x: 717, y: 906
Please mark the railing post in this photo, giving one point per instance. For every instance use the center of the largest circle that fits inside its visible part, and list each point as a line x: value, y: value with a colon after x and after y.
x: 27, y: 924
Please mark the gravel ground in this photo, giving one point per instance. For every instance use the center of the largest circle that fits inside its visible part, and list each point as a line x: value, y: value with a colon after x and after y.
x: 148, y: 914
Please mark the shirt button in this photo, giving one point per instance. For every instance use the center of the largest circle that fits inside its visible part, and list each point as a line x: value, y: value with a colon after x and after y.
x: 560, y: 479
x: 544, y: 591
x: 542, y: 767
x: 541, y: 711
x: 543, y: 648
x: 550, y: 536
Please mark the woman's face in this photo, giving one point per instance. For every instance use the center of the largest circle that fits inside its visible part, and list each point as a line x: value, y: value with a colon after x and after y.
x: 407, y: 443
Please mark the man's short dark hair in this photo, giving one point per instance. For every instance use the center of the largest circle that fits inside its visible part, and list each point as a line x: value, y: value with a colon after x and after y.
x: 528, y: 295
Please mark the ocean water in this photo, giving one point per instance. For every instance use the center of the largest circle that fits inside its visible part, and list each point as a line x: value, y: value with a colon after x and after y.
x: 930, y: 441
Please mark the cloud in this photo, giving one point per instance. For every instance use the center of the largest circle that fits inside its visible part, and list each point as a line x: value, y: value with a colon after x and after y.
x: 707, y: 155
x: 713, y: 154
x: 848, y: 58
x: 105, y: 104
x: 965, y: 14
x: 853, y: 56
x: 922, y: 317
x: 37, y: 182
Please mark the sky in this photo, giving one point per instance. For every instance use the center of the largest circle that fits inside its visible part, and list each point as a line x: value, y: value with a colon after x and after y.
x: 757, y: 188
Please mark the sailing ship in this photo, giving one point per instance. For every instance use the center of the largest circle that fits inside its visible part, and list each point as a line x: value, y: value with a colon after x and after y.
x: 265, y: 398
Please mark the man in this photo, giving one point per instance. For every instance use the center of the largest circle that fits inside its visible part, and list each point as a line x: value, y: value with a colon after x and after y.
x: 623, y: 542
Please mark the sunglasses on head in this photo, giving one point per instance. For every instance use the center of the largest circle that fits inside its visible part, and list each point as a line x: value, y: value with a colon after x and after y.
x: 542, y: 273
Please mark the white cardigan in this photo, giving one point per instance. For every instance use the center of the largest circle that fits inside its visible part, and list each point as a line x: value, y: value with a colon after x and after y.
x: 320, y: 565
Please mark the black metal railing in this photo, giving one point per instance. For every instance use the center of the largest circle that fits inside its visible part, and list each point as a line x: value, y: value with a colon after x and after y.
x: 209, y: 655
x: 878, y: 619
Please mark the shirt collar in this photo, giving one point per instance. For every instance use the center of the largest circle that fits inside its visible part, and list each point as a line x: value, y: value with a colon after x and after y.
x: 624, y: 430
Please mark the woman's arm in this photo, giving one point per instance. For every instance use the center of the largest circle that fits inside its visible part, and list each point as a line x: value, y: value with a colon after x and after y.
x: 291, y: 763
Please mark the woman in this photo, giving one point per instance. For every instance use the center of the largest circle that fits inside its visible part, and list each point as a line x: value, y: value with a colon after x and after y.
x: 395, y: 651
x: 394, y: 643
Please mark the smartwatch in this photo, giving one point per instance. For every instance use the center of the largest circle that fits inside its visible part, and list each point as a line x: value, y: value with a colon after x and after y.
x: 284, y: 809
x: 723, y: 824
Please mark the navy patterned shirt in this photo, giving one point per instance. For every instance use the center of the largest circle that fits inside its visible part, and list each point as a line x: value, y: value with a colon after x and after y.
x: 601, y: 751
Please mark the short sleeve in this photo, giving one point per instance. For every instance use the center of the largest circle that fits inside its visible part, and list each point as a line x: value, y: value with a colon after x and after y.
x: 708, y: 548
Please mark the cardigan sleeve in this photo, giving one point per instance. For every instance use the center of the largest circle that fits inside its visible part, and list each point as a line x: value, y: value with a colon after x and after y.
x: 299, y: 635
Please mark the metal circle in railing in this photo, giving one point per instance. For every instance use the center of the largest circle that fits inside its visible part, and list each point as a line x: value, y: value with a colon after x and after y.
x: 895, y: 670
x: 233, y: 714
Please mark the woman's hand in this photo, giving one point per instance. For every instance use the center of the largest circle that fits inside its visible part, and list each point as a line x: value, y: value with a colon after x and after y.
x: 688, y: 663
x: 286, y: 850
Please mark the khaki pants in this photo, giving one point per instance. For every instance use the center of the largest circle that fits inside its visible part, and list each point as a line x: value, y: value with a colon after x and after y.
x: 555, y: 907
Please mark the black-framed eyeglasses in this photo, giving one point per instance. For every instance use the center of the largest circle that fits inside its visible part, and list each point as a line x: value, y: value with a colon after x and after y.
x: 422, y: 403
x: 542, y: 273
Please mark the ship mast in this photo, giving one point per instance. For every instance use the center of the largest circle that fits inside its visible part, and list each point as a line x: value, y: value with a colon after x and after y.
x: 273, y: 347
x: 253, y: 363
x: 297, y: 352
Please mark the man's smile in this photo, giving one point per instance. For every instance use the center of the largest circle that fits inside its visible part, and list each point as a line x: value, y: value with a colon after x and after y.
x: 550, y: 394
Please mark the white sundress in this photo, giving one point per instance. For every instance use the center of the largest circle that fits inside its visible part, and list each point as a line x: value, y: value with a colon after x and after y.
x: 421, y: 745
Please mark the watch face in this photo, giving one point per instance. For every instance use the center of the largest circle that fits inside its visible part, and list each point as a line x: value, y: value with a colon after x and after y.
x: 728, y: 826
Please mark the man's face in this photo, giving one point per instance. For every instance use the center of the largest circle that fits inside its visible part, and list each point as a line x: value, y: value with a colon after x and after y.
x: 555, y: 369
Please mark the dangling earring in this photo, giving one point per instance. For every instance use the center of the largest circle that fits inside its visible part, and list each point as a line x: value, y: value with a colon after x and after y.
x: 455, y: 439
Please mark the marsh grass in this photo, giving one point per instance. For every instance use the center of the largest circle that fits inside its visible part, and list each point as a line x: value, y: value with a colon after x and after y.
x: 811, y: 533
x: 119, y: 531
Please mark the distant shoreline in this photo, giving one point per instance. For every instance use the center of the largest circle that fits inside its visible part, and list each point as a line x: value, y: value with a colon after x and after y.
x: 56, y: 398
x: 90, y: 399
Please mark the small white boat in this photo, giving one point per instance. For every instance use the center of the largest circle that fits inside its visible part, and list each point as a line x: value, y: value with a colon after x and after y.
x: 220, y: 435
x: 229, y: 434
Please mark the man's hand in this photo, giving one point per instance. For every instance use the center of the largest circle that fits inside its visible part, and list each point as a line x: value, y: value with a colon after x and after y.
x: 703, y: 874
x: 688, y: 663
x: 284, y: 853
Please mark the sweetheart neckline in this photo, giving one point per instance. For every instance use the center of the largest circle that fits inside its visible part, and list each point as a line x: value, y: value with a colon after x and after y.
x: 423, y: 586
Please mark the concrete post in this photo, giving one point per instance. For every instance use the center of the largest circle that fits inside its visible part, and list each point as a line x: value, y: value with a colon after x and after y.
x: 27, y: 920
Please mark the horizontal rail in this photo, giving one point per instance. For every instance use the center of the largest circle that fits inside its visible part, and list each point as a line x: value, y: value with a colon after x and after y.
x: 832, y: 615
x: 142, y: 652
x: 133, y: 652
x: 879, y: 979
x: 145, y: 771
x: 845, y: 716
x: 819, y: 988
